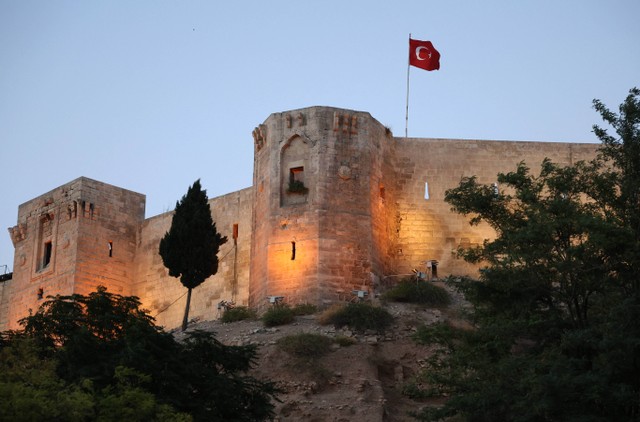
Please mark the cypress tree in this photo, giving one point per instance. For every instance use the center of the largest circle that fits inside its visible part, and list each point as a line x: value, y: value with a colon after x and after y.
x: 190, y: 248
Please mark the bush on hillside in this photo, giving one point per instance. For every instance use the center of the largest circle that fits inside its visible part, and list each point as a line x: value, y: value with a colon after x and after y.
x: 279, y: 314
x: 239, y: 313
x: 361, y: 317
x: 304, y: 309
x: 421, y: 292
x: 305, y: 345
x: 327, y: 316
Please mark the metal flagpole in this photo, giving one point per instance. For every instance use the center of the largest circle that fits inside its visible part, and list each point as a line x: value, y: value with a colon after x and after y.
x: 406, y: 117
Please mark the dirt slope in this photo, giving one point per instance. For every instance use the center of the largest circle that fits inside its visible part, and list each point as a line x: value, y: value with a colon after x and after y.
x: 360, y: 382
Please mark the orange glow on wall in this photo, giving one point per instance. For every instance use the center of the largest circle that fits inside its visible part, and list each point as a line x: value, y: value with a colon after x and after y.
x: 290, y: 267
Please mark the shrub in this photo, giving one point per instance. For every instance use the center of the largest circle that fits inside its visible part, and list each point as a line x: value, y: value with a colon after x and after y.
x: 305, y: 345
x: 279, y: 314
x: 296, y: 186
x: 415, y: 391
x: 420, y: 292
x: 361, y: 317
x: 344, y: 341
x: 306, y: 349
x: 327, y: 316
x: 304, y: 309
x: 239, y: 313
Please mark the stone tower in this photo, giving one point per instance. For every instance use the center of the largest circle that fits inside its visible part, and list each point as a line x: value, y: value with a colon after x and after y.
x: 70, y: 240
x: 317, y: 174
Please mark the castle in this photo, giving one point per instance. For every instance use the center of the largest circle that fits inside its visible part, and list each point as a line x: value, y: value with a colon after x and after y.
x: 338, y: 207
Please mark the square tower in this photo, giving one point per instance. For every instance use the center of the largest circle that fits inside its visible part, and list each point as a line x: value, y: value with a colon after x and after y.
x: 71, y: 240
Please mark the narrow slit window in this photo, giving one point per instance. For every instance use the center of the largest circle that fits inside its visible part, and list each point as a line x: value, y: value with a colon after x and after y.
x: 293, y: 251
x: 235, y: 231
x: 426, y: 190
x: 46, y: 255
x: 110, y: 249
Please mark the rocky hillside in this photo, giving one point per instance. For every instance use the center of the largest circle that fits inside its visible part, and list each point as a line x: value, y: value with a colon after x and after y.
x: 359, y: 381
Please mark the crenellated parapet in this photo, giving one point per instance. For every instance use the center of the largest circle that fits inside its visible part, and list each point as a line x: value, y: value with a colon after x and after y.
x: 259, y: 136
x: 18, y: 233
x: 345, y: 122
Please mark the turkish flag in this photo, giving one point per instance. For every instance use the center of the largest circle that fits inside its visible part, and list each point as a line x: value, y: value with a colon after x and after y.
x: 423, y: 54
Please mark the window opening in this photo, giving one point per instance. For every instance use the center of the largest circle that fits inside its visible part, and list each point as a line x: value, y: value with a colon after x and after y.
x: 432, y: 269
x: 235, y: 232
x: 293, y: 251
x: 40, y: 293
x: 46, y: 256
x: 296, y: 174
x: 296, y: 180
x: 426, y: 190
x: 110, y: 249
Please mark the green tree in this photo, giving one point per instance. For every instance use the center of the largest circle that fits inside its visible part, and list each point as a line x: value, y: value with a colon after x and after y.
x: 556, y: 308
x: 100, y: 357
x: 31, y: 390
x: 190, y: 248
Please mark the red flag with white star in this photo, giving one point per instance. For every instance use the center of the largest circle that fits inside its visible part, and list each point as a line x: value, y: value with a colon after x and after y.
x: 423, y: 54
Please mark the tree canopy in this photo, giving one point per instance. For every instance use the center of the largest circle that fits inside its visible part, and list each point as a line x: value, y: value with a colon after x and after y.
x: 555, y: 311
x: 100, y: 357
x: 190, y: 248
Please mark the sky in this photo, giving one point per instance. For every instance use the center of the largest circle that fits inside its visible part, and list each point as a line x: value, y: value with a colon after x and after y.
x: 152, y: 95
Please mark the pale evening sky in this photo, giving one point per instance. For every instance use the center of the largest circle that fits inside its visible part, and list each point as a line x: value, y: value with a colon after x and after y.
x: 152, y: 95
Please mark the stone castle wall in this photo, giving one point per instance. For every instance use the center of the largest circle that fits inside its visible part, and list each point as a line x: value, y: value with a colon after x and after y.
x: 373, y: 211
x: 284, y: 251
x: 4, y: 303
x: 426, y: 229
x: 165, y: 296
x: 352, y: 164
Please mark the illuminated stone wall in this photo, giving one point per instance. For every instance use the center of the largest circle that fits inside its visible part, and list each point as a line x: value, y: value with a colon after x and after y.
x: 317, y: 245
x: 165, y: 296
x: 284, y: 251
x: 350, y: 248
x: 426, y: 228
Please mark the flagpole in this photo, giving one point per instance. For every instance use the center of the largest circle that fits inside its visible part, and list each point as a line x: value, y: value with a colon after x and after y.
x: 406, y: 117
